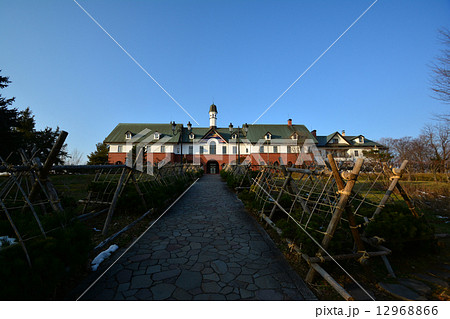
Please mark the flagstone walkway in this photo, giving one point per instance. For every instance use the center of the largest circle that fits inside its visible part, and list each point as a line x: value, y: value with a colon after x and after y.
x: 206, y: 247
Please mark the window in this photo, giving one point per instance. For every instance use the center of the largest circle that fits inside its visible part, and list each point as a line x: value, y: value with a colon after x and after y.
x: 156, y: 136
x: 201, y: 150
x: 234, y: 149
x: 289, y: 149
x: 356, y: 153
x: 268, y: 136
x: 233, y: 136
x: 128, y: 135
x: 361, y: 139
x: 191, y: 136
x: 261, y: 149
x: 275, y: 149
x: 163, y: 149
x: 191, y: 149
x: 212, y: 148
x: 335, y: 140
x: 119, y: 148
x: 224, y: 149
x: 295, y: 136
x: 246, y: 150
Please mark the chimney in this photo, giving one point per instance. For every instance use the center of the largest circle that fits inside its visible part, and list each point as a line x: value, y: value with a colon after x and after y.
x: 314, y: 132
x: 290, y: 122
x: 343, y: 133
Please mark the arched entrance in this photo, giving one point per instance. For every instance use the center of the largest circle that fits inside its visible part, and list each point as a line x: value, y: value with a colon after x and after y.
x: 212, y: 167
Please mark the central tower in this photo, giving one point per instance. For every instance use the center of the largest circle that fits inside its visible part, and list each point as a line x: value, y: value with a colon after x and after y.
x: 213, y: 116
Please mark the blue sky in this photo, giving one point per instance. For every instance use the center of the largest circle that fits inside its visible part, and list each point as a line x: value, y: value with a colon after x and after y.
x: 241, y: 54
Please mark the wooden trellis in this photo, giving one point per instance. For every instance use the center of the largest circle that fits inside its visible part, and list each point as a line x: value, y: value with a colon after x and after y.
x: 334, y: 198
x: 27, y: 189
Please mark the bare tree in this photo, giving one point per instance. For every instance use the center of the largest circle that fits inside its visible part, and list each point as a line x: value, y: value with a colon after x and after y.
x: 75, y: 158
x: 437, y: 137
x: 440, y: 83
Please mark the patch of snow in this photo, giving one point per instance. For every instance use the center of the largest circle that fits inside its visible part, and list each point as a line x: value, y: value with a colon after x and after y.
x: 95, y: 229
x: 7, y: 240
x: 102, y: 256
x: 441, y: 217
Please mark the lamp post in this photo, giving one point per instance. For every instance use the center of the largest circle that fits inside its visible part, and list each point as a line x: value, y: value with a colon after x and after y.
x: 180, y: 130
x: 245, y: 127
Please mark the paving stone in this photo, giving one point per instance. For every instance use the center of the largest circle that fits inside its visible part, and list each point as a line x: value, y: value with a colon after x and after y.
x: 124, y: 276
x: 161, y: 254
x: 227, y: 277
x: 106, y: 294
x: 195, y: 245
x: 138, y: 272
x: 266, y: 282
x: 209, y: 297
x: 231, y: 297
x: 207, y: 270
x: 245, y: 278
x: 162, y: 291
x: 119, y: 296
x: 189, y: 280
x: 173, y: 247
x: 174, y: 261
x: 268, y: 294
x: 401, y: 291
x: 212, y: 276
x: 144, y: 294
x: 129, y: 293
x: 142, y: 281
x: 181, y: 294
x: 245, y: 294
x: 165, y: 274
x: 252, y: 287
x: 123, y: 287
x: 226, y: 290
x: 153, y: 269
x: 210, y: 287
x: 139, y: 257
x: 197, y: 267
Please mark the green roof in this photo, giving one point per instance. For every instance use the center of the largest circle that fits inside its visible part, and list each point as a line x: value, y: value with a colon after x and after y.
x: 118, y: 134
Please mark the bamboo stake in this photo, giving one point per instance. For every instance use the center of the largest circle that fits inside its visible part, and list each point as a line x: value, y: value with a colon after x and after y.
x: 395, y: 178
x: 329, y: 279
x: 407, y: 199
x: 114, y: 202
x: 345, y: 194
x: 16, y: 231
x: 351, y: 218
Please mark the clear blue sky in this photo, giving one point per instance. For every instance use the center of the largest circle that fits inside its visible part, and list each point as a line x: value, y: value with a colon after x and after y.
x: 241, y: 54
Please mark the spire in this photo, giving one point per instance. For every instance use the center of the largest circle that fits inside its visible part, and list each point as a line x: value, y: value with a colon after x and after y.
x: 213, y: 116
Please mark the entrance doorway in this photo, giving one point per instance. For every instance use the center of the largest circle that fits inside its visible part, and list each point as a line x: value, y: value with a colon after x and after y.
x: 212, y: 167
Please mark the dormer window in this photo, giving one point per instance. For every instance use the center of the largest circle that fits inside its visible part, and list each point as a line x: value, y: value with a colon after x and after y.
x: 268, y: 136
x: 128, y: 135
x: 233, y: 136
x: 360, y: 139
x: 295, y: 136
x: 191, y: 136
x: 335, y: 141
x: 157, y: 135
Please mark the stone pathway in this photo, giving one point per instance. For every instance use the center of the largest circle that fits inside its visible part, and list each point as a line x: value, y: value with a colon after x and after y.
x: 206, y: 247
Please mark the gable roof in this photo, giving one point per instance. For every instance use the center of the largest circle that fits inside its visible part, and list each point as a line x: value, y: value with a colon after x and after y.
x: 118, y: 133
